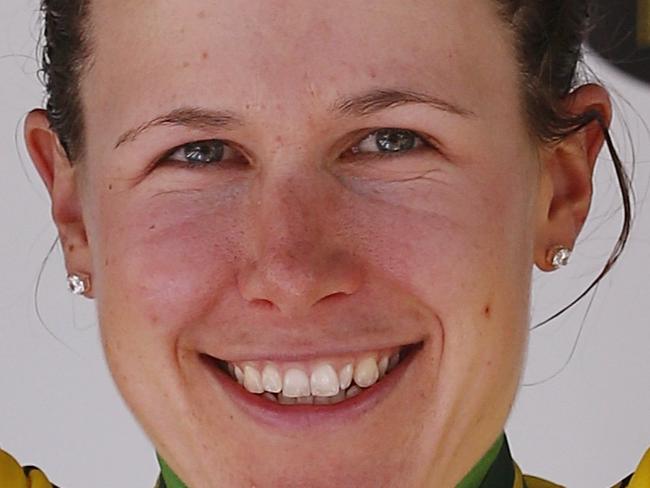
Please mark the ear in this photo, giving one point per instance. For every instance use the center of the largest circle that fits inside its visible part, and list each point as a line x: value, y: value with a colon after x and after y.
x: 567, y: 169
x: 61, y: 180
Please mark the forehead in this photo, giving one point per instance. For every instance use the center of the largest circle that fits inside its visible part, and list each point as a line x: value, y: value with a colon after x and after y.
x: 160, y: 53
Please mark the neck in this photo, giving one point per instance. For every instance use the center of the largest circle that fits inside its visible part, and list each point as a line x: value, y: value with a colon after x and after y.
x: 490, y: 472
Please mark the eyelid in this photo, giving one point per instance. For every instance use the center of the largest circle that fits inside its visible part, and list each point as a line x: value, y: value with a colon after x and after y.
x: 167, y: 155
x: 427, y: 142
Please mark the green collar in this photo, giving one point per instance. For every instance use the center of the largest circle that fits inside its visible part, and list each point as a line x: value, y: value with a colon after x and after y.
x: 502, y: 471
x: 168, y: 478
x: 475, y: 477
x: 494, y: 470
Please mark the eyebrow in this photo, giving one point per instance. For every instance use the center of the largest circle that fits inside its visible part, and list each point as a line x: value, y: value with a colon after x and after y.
x: 192, y: 117
x: 359, y: 105
x: 377, y: 100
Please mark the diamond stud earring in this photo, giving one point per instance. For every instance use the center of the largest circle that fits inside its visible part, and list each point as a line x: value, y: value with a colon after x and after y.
x: 79, y: 284
x: 558, y: 257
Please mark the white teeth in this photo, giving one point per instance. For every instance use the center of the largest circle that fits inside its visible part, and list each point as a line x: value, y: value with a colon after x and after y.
x: 239, y: 374
x: 366, y: 373
x: 324, y: 381
x: 296, y: 383
x: 338, y: 398
x: 271, y: 379
x: 322, y: 386
x: 253, y: 380
x: 345, y: 376
x: 383, y: 366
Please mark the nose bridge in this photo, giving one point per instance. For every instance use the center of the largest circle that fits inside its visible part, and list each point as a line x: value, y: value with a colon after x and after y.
x: 290, y: 212
x: 298, y: 257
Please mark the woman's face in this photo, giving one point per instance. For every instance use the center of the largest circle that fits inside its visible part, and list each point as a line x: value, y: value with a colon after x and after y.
x: 367, y: 184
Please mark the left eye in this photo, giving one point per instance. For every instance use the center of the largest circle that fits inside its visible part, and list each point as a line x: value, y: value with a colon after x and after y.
x: 389, y: 141
x: 201, y: 153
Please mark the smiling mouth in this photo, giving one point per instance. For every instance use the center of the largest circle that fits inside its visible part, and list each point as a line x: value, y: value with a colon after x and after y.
x: 315, y: 382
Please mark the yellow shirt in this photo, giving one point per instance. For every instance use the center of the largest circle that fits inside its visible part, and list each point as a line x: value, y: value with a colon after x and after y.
x: 12, y: 475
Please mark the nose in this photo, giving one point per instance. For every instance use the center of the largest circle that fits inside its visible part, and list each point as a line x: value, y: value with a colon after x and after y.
x: 299, y: 253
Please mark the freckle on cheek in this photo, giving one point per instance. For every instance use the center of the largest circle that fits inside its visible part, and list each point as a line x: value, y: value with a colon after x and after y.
x: 204, y: 55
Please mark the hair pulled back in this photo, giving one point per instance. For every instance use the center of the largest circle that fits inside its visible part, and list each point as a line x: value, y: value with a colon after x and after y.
x: 548, y: 35
x: 65, y: 57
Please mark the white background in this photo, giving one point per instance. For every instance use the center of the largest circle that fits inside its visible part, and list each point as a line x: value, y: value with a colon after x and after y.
x: 586, y: 427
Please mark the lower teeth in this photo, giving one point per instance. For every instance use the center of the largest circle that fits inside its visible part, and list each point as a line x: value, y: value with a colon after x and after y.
x: 313, y: 400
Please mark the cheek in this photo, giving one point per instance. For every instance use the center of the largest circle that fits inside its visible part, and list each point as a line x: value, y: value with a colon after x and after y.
x: 469, y: 259
x: 168, y: 259
x: 463, y: 240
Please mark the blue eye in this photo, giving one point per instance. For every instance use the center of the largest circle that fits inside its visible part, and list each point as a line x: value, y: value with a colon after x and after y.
x: 201, y: 153
x: 387, y: 141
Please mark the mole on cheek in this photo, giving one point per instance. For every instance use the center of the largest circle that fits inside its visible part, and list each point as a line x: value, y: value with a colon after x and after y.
x: 487, y: 311
x: 204, y: 55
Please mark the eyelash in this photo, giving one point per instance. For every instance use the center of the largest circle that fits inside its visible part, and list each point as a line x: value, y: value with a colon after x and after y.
x: 420, y: 143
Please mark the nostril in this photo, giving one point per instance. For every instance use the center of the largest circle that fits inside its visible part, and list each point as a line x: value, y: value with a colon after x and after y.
x: 335, y: 297
x: 294, y: 282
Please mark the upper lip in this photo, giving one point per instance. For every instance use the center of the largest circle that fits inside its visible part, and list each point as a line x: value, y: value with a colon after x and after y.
x: 286, y: 353
x: 259, y: 336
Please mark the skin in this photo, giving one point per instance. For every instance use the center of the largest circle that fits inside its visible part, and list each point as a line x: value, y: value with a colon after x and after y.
x: 302, y: 247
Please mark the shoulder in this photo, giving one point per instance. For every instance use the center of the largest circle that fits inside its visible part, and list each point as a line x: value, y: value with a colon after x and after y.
x: 525, y: 481
x: 639, y: 479
x: 12, y: 475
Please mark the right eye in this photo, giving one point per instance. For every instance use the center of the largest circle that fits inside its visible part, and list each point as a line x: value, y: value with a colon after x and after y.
x: 201, y: 153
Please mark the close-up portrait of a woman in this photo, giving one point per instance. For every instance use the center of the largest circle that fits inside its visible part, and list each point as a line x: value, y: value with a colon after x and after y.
x: 344, y: 243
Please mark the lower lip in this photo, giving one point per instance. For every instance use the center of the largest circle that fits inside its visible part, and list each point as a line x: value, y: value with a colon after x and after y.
x: 298, y: 417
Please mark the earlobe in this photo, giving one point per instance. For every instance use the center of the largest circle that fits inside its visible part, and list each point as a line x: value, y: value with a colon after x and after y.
x: 567, y: 172
x: 60, y: 179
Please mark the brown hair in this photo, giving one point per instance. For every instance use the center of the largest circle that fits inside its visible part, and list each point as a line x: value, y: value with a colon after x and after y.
x: 65, y: 57
x: 549, y: 37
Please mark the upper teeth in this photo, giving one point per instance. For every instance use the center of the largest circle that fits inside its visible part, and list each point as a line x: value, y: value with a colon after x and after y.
x: 319, y: 380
